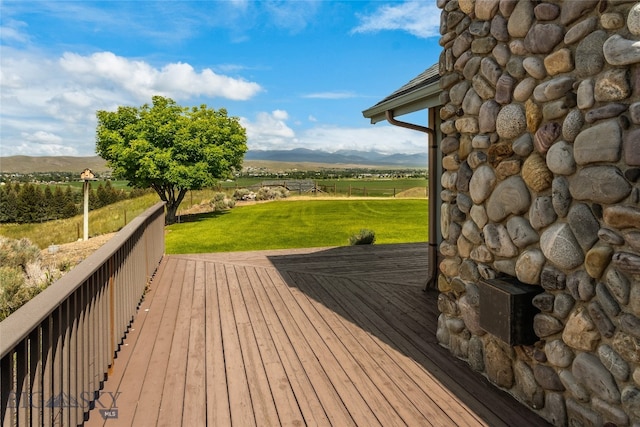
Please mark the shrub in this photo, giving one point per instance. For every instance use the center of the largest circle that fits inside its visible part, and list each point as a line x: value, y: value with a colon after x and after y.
x: 220, y: 202
x: 272, y: 193
x: 364, y: 237
x: 21, y: 276
x: 241, y: 193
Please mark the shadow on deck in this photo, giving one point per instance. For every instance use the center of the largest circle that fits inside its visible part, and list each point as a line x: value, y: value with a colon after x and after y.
x: 338, y: 336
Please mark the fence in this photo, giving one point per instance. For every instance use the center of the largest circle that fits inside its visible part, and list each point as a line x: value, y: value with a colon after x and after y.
x: 56, y: 351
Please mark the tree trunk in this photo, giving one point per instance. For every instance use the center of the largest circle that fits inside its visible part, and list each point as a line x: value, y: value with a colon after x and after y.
x: 171, y: 213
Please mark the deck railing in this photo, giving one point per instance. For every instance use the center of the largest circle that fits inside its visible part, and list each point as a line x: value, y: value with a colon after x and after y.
x: 56, y: 351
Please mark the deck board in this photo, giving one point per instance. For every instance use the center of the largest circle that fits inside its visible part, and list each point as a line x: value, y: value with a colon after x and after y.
x: 320, y: 336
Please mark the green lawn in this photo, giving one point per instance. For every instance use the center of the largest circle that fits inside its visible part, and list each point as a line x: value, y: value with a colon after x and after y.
x: 299, y: 224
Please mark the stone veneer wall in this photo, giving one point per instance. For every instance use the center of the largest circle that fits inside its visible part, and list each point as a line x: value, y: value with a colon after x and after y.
x: 541, y: 160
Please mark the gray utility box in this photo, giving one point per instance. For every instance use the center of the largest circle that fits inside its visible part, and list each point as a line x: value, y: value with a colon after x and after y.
x: 506, y: 309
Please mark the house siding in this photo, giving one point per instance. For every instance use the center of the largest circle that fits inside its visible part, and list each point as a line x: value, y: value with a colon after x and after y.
x: 541, y: 181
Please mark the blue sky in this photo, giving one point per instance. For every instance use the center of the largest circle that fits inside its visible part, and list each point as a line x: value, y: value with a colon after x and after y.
x: 296, y: 73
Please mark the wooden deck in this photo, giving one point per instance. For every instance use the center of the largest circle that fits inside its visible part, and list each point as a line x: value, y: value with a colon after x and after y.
x: 337, y: 336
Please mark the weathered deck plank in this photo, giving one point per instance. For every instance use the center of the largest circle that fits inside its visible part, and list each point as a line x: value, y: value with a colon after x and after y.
x: 324, y: 336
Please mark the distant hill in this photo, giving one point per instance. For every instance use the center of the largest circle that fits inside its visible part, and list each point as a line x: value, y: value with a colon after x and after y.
x: 298, y: 156
x: 352, y: 157
x: 28, y: 164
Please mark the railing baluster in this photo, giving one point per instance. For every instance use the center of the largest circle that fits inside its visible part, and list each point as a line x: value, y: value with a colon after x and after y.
x: 57, y: 350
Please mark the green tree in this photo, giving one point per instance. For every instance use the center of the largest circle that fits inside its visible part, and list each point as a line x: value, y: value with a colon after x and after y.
x: 169, y: 148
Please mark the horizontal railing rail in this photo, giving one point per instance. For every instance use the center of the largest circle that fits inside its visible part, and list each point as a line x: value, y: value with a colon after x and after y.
x: 57, y: 349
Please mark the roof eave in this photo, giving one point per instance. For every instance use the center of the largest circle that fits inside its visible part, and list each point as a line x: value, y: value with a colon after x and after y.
x: 419, y: 99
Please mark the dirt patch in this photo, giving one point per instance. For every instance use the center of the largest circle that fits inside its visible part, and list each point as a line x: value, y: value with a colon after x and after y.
x: 68, y: 255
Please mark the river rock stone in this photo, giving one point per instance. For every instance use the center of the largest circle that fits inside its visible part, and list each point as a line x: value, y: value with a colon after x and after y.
x: 461, y: 44
x: 634, y: 113
x: 471, y: 67
x: 501, y: 53
x: 476, y: 354
x: 600, y: 184
x: 507, y: 168
x: 483, y: 45
x: 463, y: 177
x: 560, y: 246
x: 498, y: 364
x: 527, y: 388
x: 560, y: 158
x: 542, y: 38
x: 479, y: 215
x: 630, y: 324
x: 471, y: 102
x: 548, y: 378
x: 546, y: 12
x: 543, y: 301
x: 536, y: 174
x: 621, y: 216
x: 511, y: 121
x: 631, y: 401
x: 449, y: 144
x: 471, y: 316
x: 585, y: 97
x: 505, y: 266
x: 541, y: 212
x: 482, y: 183
x: 560, y: 196
x: 521, y: 232
x: 546, y: 325
x: 504, y: 89
x: 560, y: 61
x: 524, y: 89
x: 631, y: 148
x: 515, y: 69
x: 523, y: 145
x: 483, y: 87
x: 481, y: 254
x: 562, y: 305
x: 633, y: 19
x: 488, y: 114
x: 580, y: 332
x: 574, y: 10
x: 467, y: 125
x: 597, y: 259
x: 471, y: 231
x: 584, y: 225
x: 570, y: 383
x: 535, y: 67
x: 601, y: 320
x: 611, y: 360
x: 607, y: 111
x: 609, y: 236
x: 486, y: 9
x: 559, y: 108
x: 581, y: 285
x: 580, y: 30
x: 458, y: 92
x: 546, y: 135
x: 497, y: 240
x: 599, y: 143
x: 612, y: 20
x: 510, y: 196
x: 476, y: 158
x: 589, y: 58
x: 627, y: 262
x: 479, y: 28
x: 580, y: 415
x: 520, y: 20
x: 450, y: 266
x: 529, y: 265
x: 558, y: 87
x: 533, y: 113
x: 619, y: 287
x: 612, y: 85
x: 621, y: 51
x: 558, y: 353
x: 589, y: 371
x: 498, y: 28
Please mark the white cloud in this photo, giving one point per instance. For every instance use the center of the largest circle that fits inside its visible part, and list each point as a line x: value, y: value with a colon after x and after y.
x: 331, y: 95
x: 42, y: 95
x: 269, y: 131
x: 420, y: 18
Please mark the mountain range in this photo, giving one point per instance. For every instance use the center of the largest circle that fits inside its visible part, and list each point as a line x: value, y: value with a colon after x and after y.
x: 353, y: 158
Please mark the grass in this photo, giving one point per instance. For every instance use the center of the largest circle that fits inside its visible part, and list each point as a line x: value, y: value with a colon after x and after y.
x: 101, y: 221
x: 300, y: 224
